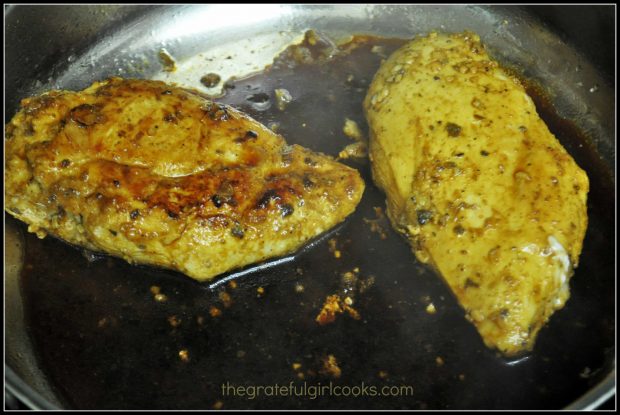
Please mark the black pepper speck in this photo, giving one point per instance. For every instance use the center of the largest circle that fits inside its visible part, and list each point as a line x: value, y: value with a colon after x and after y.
x: 286, y: 210
x: 453, y: 130
x: 237, y: 231
x: 459, y: 230
x: 217, y: 201
x: 424, y: 216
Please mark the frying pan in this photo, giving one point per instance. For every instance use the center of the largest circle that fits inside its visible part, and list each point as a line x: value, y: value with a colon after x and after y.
x: 85, y: 331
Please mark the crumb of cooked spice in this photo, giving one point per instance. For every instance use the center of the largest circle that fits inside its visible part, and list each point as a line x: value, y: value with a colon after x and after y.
x: 155, y: 289
x: 439, y: 361
x: 366, y: 283
x: 283, y: 98
x: 210, y: 80
x: 184, y: 355
x: 297, y: 368
x: 160, y: 298
x: 332, y: 244
x: 383, y: 374
x: 328, y: 312
x: 218, y: 405
x: 260, y: 291
x: 299, y: 288
x: 461, y: 377
x: 330, y: 367
x: 225, y: 298
x: 167, y: 60
x: 214, y: 311
x: 378, y: 212
x: 312, y: 37
x: 358, y: 150
x: 240, y: 354
x: 376, y: 225
x: 430, y: 309
x: 174, y: 321
x: 335, y: 305
x: 352, y: 130
x: 349, y: 281
x: 200, y: 320
x: 232, y: 284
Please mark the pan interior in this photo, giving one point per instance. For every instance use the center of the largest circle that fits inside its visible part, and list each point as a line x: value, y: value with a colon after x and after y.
x: 104, y: 340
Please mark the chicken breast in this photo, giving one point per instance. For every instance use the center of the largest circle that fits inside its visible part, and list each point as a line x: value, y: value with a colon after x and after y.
x: 477, y: 183
x: 159, y: 175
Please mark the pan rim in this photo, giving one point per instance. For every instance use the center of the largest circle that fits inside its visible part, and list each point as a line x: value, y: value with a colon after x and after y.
x: 15, y: 384
x: 597, y: 395
x: 591, y: 400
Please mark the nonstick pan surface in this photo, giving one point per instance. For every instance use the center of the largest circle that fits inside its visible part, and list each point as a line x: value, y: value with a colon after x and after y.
x: 90, y: 331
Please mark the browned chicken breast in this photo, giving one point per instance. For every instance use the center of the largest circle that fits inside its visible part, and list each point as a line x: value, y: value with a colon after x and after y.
x: 477, y: 183
x: 159, y: 175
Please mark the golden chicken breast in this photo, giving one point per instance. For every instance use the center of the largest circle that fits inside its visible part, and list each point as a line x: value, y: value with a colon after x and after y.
x: 159, y: 175
x: 477, y: 183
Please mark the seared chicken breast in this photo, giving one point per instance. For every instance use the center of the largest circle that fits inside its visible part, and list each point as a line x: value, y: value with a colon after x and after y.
x: 477, y: 183
x: 159, y: 175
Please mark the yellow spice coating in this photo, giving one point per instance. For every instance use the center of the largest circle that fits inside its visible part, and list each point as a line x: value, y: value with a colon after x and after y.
x: 160, y: 175
x: 477, y: 183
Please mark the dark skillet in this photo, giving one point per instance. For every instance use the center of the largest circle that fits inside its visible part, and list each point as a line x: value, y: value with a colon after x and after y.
x: 85, y: 331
